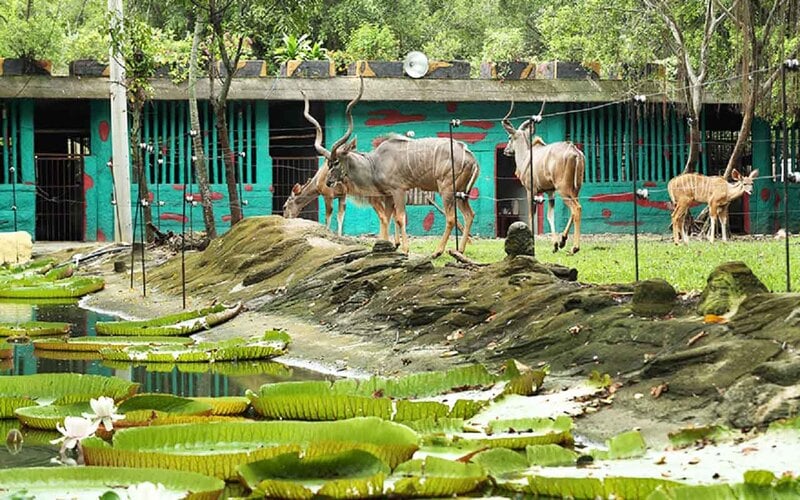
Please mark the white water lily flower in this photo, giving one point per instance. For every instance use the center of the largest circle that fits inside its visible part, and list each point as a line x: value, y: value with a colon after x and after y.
x: 103, y: 408
x: 75, y: 429
x: 150, y: 491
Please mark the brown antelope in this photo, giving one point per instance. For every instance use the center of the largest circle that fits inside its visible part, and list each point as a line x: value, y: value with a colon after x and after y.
x: 383, y: 205
x: 556, y: 167
x: 399, y: 164
x: 686, y: 189
x: 305, y: 194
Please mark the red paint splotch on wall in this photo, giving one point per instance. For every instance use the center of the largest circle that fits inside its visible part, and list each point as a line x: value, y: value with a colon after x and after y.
x: 482, y: 124
x: 88, y: 182
x: 451, y: 107
x: 427, y: 222
x: 628, y: 197
x: 391, y: 117
x: 226, y: 218
x: 177, y: 187
x: 103, y: 129
x: 101, y: 236
x: 248, y: 187
x: 469, y: 137
x: 650, y: 184
x: 474, y: 193
x: 377, y: 141
x: 215, y: 196
x: 173, y: 216
x: 765, y: 194
x: 150, y: 197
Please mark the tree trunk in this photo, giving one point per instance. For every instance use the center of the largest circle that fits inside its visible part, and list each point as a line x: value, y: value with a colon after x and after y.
x: 695, y: 138
x: 230, y: 162
x: 138, y: 167
x: 201, y: 172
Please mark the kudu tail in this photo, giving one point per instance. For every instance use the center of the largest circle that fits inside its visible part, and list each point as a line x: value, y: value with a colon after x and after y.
x: 579, y: 166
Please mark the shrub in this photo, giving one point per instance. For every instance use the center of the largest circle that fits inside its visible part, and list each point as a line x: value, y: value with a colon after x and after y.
x: 373, y: 42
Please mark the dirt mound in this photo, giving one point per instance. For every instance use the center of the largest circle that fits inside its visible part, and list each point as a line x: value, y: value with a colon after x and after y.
x: 741, y: 373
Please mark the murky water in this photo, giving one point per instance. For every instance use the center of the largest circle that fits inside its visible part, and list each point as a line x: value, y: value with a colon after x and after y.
x: 190, y: 379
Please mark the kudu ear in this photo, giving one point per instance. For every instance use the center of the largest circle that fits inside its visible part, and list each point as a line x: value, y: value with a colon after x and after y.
x: 735, y: 175
x: 754, y: 174
x: 351, y: 146
x: 297, y: 188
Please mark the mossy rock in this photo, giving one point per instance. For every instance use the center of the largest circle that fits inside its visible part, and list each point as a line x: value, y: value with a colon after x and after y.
x: 654, y: 297
x: 519, y: 240
x: 727, y: 286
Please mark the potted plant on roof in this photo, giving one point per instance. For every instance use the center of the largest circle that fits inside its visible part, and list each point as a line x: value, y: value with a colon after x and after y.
x: 298, y: 58
x: 505, y: 58
x: 28, y: 40
x: 373, y: 52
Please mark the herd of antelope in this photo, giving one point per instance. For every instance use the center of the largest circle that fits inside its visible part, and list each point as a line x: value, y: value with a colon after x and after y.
x: 383, y: 176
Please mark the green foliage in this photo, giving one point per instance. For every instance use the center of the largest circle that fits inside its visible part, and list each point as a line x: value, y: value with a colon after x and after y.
x: 373, y: 42
x: 506, y: 45
x: 293, y: 48
x: 30, y: 34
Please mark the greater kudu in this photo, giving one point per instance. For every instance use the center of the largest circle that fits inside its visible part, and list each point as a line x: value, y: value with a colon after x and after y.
x: 399, y: 164
x: 302, y: 195
x: 556, y: 167
x: 383, y: 205
x: 686, y: 189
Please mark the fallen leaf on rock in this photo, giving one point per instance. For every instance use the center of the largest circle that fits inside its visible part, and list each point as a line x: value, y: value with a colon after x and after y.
x: 491, y: 346
x: 714, y: 318
x: 748, y: 450
x: 697, y: 337
x: 456, y: 335
x: 658, y: 390
x: 638, y: 395
x: 694, y: 461
x: 448, y: 354
x: 661, y: 461
x: 575, y: 329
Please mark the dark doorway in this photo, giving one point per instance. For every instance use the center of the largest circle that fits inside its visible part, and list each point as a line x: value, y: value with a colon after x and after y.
x: 511, y: 205
x: 61, y: 140
x: 291, y: 146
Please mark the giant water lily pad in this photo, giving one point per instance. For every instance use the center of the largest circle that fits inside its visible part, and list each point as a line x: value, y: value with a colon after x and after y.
x: 58, y: 388
x: 228, y: 368
x: 142, y: 408
x: 66, y: 288
x: 435, y: 477
x: 33, y: 329
x: 94, y: 344
x: 184, y: 323
x: 350, y: 474
x: 217, y: 449
x: 226, y: 405
x: 202, y: 352
x: 456, y: 393
x: 88, y: 482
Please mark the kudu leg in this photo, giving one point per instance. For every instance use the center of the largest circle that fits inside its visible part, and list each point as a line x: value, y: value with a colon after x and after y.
x: 328, y: 211
x: 575, y: 210
x: 678, y: 215
x: 450, y: 221
x: 713, y: 213
x: 723, y: 222
x: 340, y: 214
x: 399, y: 200
x: 551, y: 221
x: 469, y: 216
x: 383, y: 217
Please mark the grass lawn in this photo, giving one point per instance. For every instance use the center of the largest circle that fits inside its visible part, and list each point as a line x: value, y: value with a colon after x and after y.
x: 610, y: 258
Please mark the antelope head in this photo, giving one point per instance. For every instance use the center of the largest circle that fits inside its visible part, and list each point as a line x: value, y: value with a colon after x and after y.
x: 518, y: 138
x: 744, y: 183
x: 341, y: 149
x: 292, y: 208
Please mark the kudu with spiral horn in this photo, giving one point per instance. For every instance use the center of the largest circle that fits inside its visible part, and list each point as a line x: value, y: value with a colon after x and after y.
x: 399, y: 164
x: 320, y: 184
x: 547, y: 168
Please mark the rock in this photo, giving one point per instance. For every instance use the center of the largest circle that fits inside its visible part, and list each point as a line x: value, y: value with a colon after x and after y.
x: 654, y: 297
x: 727, y: 286
x: 383, y: 246
x: 519, y: 240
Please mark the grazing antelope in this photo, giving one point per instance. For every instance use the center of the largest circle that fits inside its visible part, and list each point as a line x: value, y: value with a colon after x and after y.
x: 383, y: 205
x: 686, y: 189
x: 305, y: 194
x: 556, y: 167
x: 399, y: 164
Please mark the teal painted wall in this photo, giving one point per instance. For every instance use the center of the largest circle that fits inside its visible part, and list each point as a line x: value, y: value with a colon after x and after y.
x: 17, y: 188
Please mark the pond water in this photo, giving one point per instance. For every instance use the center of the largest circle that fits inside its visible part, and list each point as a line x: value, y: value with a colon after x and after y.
x: 195, y: 379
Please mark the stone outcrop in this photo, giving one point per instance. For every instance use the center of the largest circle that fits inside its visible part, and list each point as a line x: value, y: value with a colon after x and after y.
x: 653, y: 297
x: 727, y: 286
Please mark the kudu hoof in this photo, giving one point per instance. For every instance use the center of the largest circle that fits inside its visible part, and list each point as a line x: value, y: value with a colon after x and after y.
x: 575, y: 250
x: 563, y: 242
x: 436, y: 255
x: 555, y: 247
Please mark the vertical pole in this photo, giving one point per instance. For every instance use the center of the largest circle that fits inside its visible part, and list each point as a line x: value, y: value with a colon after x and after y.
x: 532, y: 208
x: 133, y: 242
x: 13, y: 171
x: 142, y: 233
x: 183, y: 246
x: 635, y: 178
x: 454, y: 123
x: 784, y: 170
x: 119, y: 134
